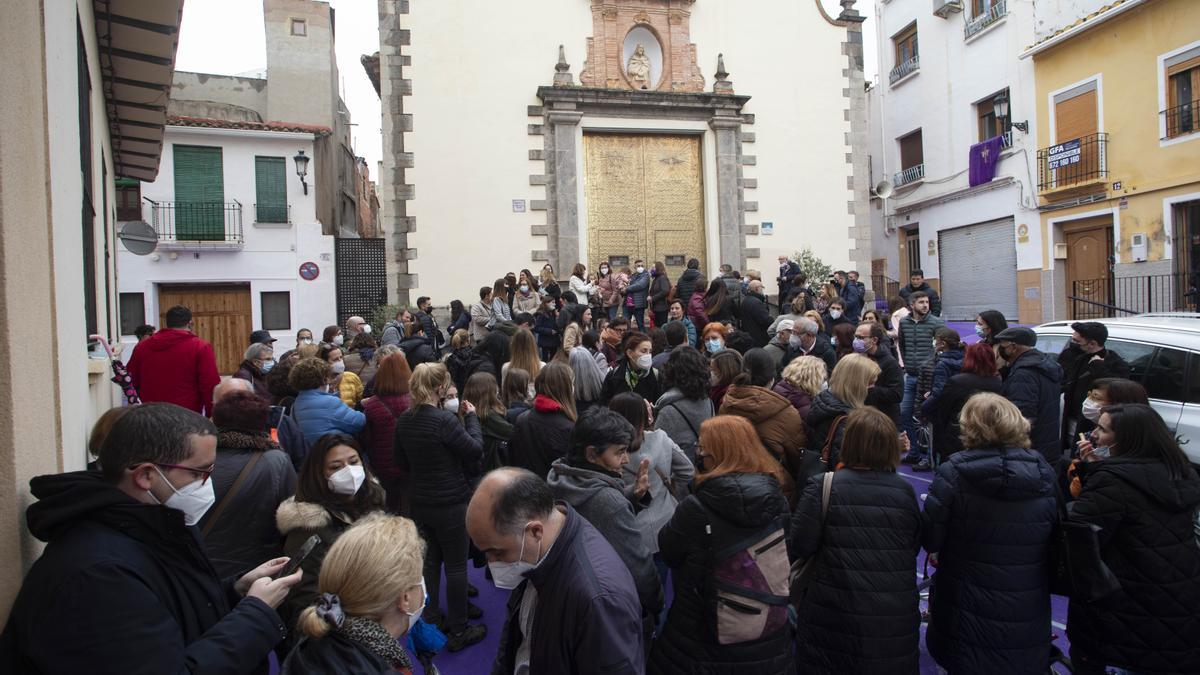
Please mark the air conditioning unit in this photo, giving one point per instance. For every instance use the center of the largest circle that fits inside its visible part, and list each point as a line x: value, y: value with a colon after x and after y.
x: 944, y: 8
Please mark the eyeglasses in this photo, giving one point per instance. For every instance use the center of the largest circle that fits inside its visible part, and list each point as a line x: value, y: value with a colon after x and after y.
x: 203, y: 473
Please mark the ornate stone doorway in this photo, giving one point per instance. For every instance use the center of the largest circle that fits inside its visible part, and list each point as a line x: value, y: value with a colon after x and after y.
x: 645, y: 199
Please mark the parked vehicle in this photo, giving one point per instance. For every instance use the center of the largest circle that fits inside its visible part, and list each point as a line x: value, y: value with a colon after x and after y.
x: 1163, y: 352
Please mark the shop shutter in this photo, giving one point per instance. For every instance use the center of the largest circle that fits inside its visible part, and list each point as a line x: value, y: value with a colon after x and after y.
x: 978, y: 270
x: 199, y: 194
x: 270, y: 183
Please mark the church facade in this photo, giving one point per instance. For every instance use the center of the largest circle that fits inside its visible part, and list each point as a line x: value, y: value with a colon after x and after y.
x: 581, y: 131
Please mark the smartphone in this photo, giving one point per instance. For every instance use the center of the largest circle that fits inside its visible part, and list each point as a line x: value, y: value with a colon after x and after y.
x: 294, y: 563
x: 275, y: 416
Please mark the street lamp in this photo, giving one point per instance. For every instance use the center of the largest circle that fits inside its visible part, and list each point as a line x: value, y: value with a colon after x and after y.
x: 301, y: 168
x: 1000, y: 108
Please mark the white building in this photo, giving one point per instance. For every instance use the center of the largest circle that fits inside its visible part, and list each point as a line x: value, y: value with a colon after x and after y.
x: 942, y: 66
x: 503, y: 153
x: 235, y: 223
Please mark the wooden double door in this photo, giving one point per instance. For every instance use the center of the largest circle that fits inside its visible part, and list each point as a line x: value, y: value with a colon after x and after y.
x: 645, y: 200
x: 221, y: 314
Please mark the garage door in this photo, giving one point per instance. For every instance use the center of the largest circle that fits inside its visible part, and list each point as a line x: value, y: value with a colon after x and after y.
x: 978, y: 270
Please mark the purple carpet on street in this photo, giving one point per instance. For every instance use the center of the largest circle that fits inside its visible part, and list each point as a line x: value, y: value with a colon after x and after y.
x: 984, y: 157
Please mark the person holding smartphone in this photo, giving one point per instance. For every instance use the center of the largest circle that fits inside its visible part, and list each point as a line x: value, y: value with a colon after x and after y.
x: 124, y: 584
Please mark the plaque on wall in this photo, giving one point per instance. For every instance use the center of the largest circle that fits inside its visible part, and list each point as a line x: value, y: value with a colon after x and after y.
x: 618, y: 261
x: 675, y: 261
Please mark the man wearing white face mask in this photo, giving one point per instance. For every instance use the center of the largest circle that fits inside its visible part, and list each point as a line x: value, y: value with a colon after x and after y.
x: 124, y: 583
x: 574, y: 607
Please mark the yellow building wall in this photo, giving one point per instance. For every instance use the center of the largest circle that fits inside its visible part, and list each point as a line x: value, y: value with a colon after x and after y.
x: 1124, y: 51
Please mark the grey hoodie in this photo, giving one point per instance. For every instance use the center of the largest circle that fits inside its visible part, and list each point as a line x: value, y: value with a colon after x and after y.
x: 602, y: 500
x: 681, y: 418
x: 666, y: 459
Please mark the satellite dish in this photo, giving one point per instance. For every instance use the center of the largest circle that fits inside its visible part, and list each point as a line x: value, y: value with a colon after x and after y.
x: 883, y: 190
x: 139, y: 237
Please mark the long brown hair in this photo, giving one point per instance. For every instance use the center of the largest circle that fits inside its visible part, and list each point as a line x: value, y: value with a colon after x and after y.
x: 524, y: 352
x: 555, y: 383
x: 734, y: 447
x: 483, y: 393
x: 393, y: 376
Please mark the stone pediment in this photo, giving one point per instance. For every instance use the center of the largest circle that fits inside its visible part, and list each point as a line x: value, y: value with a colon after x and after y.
x: 642, y: 45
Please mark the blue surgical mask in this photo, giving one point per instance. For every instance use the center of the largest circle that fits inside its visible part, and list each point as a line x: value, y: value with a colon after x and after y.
x: 714, y: 346
x: 980, y: 331
x: 267, y: 366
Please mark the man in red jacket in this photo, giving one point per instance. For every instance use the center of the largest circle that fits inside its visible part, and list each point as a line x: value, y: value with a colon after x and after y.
x: 175, y: 366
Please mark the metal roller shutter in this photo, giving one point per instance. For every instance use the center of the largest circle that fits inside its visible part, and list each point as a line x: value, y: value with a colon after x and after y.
x: 978, y: 270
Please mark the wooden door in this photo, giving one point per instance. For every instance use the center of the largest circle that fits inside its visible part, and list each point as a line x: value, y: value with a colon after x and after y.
x: 910, y: 253
x: 221, y: 315
x: 1076, y: 118
x: 1089, y: 246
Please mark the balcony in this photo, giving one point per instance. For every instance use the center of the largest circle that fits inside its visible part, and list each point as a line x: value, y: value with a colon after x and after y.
x: 905, y: 69
x: 1077, y: 163
x: 1182, y: 119
x: 910, y: 175
x: 273, y: 214
x: 197, y: 225
x: 991, y: 15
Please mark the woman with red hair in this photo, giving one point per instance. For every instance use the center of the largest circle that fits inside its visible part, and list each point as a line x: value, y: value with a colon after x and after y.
x: 979, y: 373
x: 391, y: 399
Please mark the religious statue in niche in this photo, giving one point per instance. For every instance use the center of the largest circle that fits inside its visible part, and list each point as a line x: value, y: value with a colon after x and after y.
x: 638, y: 68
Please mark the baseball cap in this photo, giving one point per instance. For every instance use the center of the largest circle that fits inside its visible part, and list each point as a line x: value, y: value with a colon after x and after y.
x: 786, y: 324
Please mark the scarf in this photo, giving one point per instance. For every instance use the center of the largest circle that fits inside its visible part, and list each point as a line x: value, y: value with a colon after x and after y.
x: 370, y: 634
x: 632, y: 377
x: 240, y: 440
x: 545, y: 404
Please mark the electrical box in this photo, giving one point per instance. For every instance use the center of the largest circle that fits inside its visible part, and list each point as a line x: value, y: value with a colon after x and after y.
x: 1060, y: 251
x: 1138, y: 246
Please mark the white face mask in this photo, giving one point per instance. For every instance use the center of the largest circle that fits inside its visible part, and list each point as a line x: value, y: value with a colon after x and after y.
x: 1091, y: 410
x: 603, y: 270
x: 644, y: 362
x: 451, y: 404
x: 366, y: 329
x: 306, y: 341
x: 835, y: 313
x: 509, y: 575
x: 338, y: 367
x: 193, y: 500
x: 413, y: 616
x: 640, y: 269
x: 347, y: 480
x: 338, y: 340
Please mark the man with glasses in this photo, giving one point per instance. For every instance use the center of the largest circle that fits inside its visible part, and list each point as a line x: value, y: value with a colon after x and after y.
x: 124, y: 584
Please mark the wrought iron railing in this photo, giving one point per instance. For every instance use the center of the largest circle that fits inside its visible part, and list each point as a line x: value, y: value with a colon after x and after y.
x: 1074, y: 162
x: 180, y: 222
x: 272, y: 213
x: 885, y: 289
x: 989, y: 16
x: 1117, y: 296
x: 904, y: 69
x: 909, y: 175
x: 1182, y: 119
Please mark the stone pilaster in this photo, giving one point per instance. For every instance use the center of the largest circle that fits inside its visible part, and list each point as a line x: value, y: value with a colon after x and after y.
x: 727, y: 130
x: 563, y: 245
x: 394, y: 191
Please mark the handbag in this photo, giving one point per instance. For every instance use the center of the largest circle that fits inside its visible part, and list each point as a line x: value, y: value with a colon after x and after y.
x: 803, y: 571
x: 810, y: 463
x: 1077, y: 569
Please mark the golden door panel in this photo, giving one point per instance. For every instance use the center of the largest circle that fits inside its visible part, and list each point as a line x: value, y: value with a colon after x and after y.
x: 644, y: 199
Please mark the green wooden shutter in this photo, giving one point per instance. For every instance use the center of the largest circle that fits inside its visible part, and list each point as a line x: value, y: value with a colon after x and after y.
x: 199, y: 194
x: 270, y: 179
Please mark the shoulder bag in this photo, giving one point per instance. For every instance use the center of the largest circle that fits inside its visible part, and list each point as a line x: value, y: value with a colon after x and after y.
x: 233, y: 490
x: 803, y: 571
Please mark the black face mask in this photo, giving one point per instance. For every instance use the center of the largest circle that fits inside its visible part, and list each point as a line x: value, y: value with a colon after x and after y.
x: 1004, y: 353
x: 700, y: 464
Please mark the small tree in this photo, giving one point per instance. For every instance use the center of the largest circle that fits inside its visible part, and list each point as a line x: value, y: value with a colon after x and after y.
x: 813, y: 267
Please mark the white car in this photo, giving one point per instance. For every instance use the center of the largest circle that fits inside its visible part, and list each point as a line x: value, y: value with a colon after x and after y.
x: 1163, y: 352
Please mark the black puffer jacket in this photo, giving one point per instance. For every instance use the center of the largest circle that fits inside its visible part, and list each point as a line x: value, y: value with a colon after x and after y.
x: 946, y: 432
x: 888, y: 391
x: 649, y: 385
x: 125, y: 587
x: 1148, y: 541
x: 860, y: 613
x: 540, y: 436
x: 742, y: 504
x: 990, y: 516
x: 687, y: 284
x: 438, y: 454
x: 826, y: 408
x: 1033, y: 386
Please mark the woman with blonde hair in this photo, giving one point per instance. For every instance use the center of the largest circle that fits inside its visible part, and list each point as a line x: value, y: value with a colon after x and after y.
x: 371, y: 594
x: 822, y: 329
x: 860, y: 612
x: 542, y: 435
x: 523, y: 354
x: 988, y: 525
x: 737, y: 495
x: 848, y: 386
x: 440, y: 455
x: 801, y: 382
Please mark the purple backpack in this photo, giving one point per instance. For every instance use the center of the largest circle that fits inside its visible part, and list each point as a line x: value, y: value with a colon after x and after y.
x: 748, y: 596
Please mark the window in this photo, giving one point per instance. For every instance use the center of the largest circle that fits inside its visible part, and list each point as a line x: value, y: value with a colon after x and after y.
x: 989, y: 125
x: 912, y: 159
x: 906, y: 44
x: 1183, y: 90
x: 129, y: 199
x: 299, y: 27
x: 1139, y: 357
x: 1193, y: 394
x: 270, y: 183
x: 1164, y: 375
x: 276, y: 310
x: 88, y: 209
x: 132, y: 307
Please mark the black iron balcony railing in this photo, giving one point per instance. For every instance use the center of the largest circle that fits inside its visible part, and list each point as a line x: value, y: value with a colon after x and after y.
x: 885, y: 289
x: 904, y: 69
x: 1075, y: 162
x: 1182, y: 119
x: 182, y: 222
x: 1118, y: 296
x: 989, y: 16
x: 272, y: 213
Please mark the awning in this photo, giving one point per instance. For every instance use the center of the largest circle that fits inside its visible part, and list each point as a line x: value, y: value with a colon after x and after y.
x: 137, y: 40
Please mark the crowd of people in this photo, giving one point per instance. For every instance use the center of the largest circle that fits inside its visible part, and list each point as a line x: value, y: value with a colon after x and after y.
x: 594, y: 440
